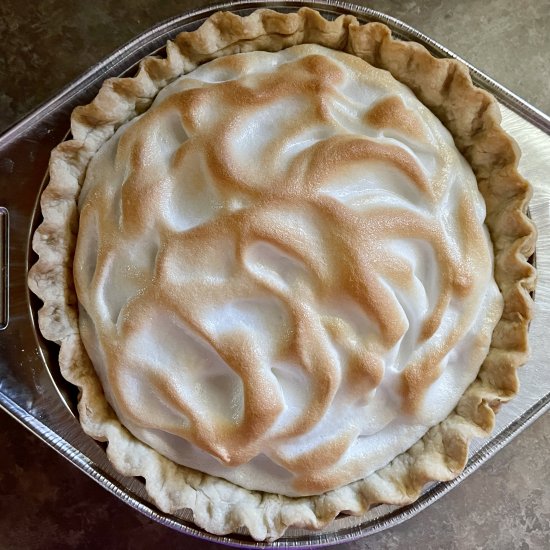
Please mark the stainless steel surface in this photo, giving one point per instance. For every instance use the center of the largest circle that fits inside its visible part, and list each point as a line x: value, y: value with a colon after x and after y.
x: 31, y: 388
x: 4, y: 256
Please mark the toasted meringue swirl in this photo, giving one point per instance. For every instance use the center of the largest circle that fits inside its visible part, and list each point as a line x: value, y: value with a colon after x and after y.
x: 282, y: 270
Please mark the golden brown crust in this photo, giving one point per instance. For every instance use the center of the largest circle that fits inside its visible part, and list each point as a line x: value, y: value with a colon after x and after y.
x: 473, y: 118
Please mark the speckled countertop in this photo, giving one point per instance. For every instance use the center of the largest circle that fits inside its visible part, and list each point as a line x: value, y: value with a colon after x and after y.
x: 47, y: 503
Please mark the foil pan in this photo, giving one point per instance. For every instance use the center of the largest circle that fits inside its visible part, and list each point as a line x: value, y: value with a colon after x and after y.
x: 31, y: 387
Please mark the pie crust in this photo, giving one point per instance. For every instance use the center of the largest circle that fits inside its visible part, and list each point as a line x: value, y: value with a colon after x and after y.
x: 473, y: 118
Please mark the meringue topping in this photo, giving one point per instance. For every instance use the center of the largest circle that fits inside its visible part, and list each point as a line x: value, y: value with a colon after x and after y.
x: 282, y: 270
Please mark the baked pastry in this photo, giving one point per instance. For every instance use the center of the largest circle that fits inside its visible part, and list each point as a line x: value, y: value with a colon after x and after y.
x: 282, y: 270
x: 284, y: 285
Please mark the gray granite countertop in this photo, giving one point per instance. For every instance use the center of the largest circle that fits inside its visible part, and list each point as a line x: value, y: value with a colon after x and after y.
x: 47, y: 503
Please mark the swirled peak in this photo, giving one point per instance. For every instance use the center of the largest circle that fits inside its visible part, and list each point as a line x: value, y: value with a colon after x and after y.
x: 282, y: 269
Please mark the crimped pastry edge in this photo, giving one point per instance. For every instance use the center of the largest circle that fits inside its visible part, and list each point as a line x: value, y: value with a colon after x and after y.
x: 472, y: 116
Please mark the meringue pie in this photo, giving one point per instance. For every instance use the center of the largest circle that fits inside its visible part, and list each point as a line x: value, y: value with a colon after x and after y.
x: 300, y: 269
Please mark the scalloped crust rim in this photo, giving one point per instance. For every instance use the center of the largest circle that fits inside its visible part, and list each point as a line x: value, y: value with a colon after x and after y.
x: 471, y: 115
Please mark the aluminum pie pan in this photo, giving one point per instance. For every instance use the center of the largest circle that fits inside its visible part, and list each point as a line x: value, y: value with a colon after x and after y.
x: 31, y: 388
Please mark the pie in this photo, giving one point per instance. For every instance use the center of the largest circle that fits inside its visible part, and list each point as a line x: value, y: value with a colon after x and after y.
x: 287, y: 266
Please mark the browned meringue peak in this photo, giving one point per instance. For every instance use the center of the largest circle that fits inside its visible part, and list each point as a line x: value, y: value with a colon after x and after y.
x: 282, y: 264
